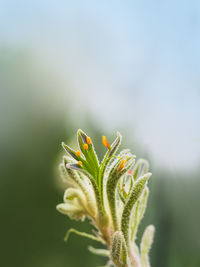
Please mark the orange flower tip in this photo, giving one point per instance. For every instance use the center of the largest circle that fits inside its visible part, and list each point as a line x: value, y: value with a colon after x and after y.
x: 78, y: 153
x: 130, y: 172
x: 85, y: 146
x: 89, y: 141
x: 122, y: 165
x: 105, y: 142
x: 80, y: 163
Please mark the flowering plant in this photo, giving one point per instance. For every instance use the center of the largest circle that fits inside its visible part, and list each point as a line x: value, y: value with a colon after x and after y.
x: 113, y: 195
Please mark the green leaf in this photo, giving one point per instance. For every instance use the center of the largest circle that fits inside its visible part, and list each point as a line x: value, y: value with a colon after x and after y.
x: 111, y: 188
x: 135, y: 217
x: 99, y: 252
x: 92, y: 237
x: 77, y: 180
x: 86, y: 165
x: 147, y: 240
x: 66, y: 178
x: 139, y: 212
x: 111, y: 152
x: 72, y: 152
x: 118, y: 249
x: 144, y: 202
x: 141, y: 167
x: 136, y: 191
x: 108, y: 156
x: 95, y: 188
x: 90, y: 154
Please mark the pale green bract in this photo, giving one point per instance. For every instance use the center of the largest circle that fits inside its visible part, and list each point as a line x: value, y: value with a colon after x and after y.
x: 113, y: 195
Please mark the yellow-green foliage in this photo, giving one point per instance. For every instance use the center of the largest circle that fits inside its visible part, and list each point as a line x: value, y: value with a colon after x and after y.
x: 113, y: 195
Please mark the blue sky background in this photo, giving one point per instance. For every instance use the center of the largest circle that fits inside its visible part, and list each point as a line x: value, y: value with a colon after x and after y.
x: 134, y: 63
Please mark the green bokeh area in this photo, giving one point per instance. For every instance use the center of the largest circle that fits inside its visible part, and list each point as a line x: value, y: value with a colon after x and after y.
x: 32, y: 231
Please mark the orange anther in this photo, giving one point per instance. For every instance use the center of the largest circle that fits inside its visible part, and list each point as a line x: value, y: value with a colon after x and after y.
x: 122, y: 165
x: 130, y: 172
x: 89, y: 141
x: 80, y: 163
x: 85, y: 146
x: 78, y: 153
x: 105, y: 142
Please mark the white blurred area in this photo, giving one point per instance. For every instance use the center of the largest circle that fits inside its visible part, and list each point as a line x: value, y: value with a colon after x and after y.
x: 127, y: 63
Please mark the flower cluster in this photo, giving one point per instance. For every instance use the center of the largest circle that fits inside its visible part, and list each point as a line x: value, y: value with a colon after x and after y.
x: 112, y: 194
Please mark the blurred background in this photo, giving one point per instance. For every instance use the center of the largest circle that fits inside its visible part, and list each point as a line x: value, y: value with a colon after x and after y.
x: 103, y: 66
